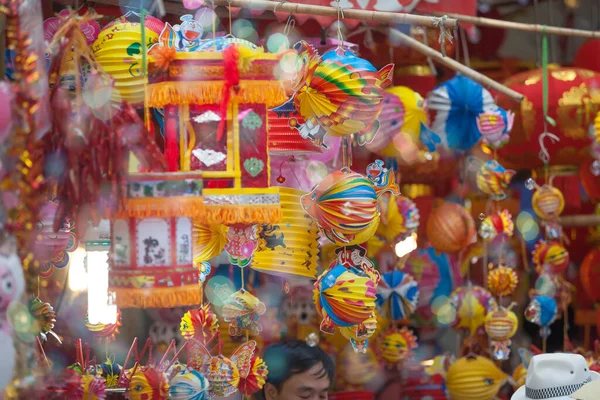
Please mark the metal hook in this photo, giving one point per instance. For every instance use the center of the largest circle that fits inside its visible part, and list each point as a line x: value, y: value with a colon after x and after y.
x: 544, y: 154
x: 278, y: 4
x: 290, y: 23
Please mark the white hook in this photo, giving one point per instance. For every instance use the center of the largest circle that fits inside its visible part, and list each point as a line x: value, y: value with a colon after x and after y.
x: 544, y: 155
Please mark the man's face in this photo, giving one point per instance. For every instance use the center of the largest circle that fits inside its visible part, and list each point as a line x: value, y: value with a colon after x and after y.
x: 312, y: 384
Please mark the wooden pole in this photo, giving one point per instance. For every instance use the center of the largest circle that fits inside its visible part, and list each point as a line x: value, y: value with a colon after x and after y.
x: 579, y: 220
x: 496, y: 23
x: 361, y: 15
x: 455, y: 65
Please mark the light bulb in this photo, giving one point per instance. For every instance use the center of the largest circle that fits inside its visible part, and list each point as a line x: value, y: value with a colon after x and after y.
x: 77, y: 275
x: 406, y: 246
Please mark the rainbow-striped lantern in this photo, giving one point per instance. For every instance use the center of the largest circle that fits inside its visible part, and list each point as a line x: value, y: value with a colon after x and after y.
x: 501, y: 324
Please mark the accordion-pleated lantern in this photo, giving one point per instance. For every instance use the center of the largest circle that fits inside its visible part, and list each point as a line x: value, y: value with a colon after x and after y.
x: 152, y: 263
x: 290, y: 247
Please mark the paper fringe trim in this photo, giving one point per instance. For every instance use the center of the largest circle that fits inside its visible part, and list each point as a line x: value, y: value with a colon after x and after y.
x: 270, y: 92
x: 158, y: 297
x: 243, y: 214
x: 179, y: 206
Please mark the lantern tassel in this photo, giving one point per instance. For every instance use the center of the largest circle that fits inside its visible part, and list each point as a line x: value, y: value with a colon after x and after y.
x: 231, y: 57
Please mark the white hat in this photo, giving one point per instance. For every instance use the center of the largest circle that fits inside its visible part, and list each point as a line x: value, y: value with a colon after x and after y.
x: 555, y: 376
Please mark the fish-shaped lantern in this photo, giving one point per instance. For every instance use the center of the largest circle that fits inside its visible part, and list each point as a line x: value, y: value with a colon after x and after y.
x: 242, y: 310
x: 344, y: 204
x: 474, y: 378
x: 493, y: 179
x: 338, y: 92
x: 497, y: 224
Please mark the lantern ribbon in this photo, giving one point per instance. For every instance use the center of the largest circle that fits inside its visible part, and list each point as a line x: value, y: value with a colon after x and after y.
x: 547, y: 118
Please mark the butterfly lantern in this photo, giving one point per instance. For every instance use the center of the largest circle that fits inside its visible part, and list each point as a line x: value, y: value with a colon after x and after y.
x: 243, y: 371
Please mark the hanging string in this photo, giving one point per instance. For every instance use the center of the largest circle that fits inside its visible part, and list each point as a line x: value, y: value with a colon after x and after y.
x: 465, y: 47
x: 340, y: 16
x: 440, y: 22
x: 544, y: 155
x: 243, y: 283
x: 229, y: 11
x: 214, y: 23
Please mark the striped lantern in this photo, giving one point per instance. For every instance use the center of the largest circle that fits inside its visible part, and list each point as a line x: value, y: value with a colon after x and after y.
x: 548, y: 202
x: 283, y: 138
x: 450, y: 228
x: 501, y: 324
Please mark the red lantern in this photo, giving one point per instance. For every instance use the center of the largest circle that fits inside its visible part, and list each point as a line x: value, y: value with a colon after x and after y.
x: 450, y: 228
x: 588, y: 55
x: 590, y: 274
x: 574, y: 101
x: 589, y: 181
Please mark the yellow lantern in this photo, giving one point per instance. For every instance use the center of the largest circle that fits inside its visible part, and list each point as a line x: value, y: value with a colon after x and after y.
x: 118, y: 50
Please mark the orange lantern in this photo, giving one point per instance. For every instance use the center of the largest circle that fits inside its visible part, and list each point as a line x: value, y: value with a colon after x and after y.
x: 590, y: 274
x: 574, y: 101
x: 450, y: 228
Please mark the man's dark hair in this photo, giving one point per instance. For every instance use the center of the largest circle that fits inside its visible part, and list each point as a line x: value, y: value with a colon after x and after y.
x: 291, y: 357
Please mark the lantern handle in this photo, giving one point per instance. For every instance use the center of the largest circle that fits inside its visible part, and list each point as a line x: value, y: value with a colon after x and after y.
x: 544, y: 154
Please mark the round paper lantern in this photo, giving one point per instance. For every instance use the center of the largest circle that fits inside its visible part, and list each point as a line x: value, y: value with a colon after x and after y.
x: 550, y: 257
x: 588, y: 55
x: 548, y: 202
x: 395, y: 345
x: 589, y: 273
x: 291, y: 246
x: 344, y: 205
x: 118, y: 50
x: 590, y: 180
x: 340, y: 92
x: 189, y: 385
x: 501, y: 324
x: 209, y: 241
x: 573, y: 104
x: 542, y: 311
x: 474, y: 378
x: 450, y: 228
x: 343, y: 298
x: 398, y: 293
x: 390, y: 123
x: 148, y: 383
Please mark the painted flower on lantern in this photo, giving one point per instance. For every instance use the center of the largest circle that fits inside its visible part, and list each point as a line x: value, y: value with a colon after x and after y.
x: 251, y: 120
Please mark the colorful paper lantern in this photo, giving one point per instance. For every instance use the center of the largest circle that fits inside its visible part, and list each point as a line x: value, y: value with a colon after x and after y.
x: 201, y: 324
x: 400, y: 218
x: 542, y: 311
x: 450, y: 228
x: 147, y: 382
x: 396, y: 345
x: 495, y: 127
x: 548, y: 202
x: 93, y: 387
x: 474, y: 378
x: 471, y: 304
x: 498, y: 224
x: 398, y: 293
x: 501, y: 324
x: 105, y: 332
x: 493, y: 179
x: 589, y: 274
x: 110, y: 372
x: 290, y: 247
x: 550, y: 257
x: 152, y: 265
x: 360, y: 343
x: 253, y: 379
x: 502, y: 280
x: 284, y: 139
x: 189, y: 385
x: 242, y: 310
x: 456, y: 106
x: 390, y: 124
x: 324, y: 99
x: 573, y: 104
x: 343, y: 298
x: 241, y: 243
x: 118, y: 50
x: 344, y: 204
x: 209, y: 241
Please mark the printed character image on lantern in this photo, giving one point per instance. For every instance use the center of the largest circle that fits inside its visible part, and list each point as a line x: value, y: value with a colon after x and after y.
x: 182, y: 37
x: 153, y: 253
x: 272, y: 237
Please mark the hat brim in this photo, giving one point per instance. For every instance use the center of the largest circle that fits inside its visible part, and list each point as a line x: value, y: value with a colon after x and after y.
x: 520, y: 393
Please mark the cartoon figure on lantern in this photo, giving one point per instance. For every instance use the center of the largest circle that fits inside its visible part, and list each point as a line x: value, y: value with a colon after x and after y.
x: 241, y: 243
x: 495, y: 126
x: 396, y: 345
x: 379, y: 175
x: 323, y: 97
x: 183, y: 37
x: 493, y: 179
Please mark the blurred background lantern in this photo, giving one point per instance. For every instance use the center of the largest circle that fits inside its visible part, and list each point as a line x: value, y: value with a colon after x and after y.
x: 588, y: 55
x: 574, y: 101
x: 450, y: 227
x: 590, y: 274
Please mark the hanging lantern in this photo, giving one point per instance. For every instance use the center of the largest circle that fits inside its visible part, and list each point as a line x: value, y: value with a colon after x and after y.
x: 590, y: 274
x: 574, y: 102
x: 291, y: 246
x: 283, y: 138
x: 548, y: 202
x: 450, y: 228
x: 151, y: 246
